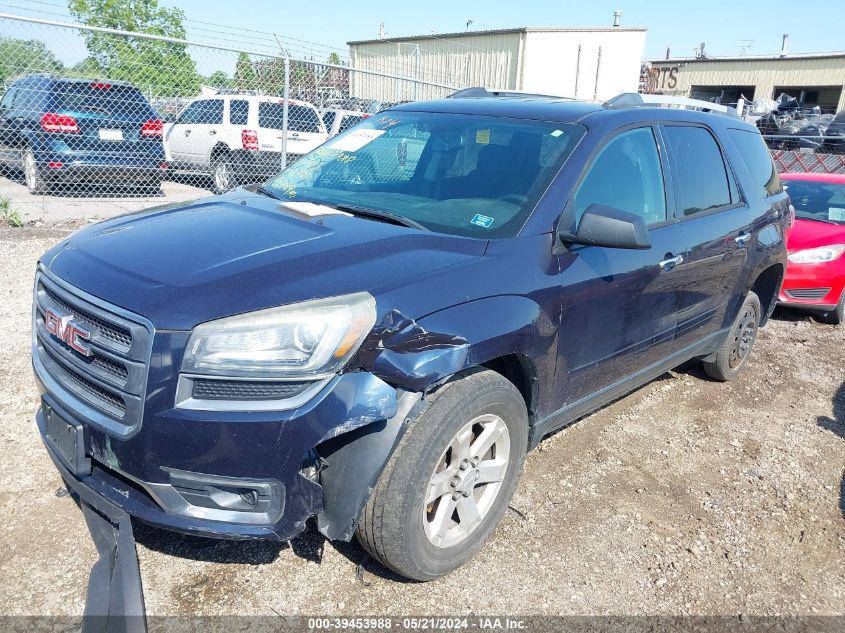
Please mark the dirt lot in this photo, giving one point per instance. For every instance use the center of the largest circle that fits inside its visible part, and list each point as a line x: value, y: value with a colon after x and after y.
x: 686, y: 497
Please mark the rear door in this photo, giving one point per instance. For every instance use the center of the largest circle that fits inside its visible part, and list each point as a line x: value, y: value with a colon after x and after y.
x: 717, y: 228
x: 195, y: 133
x: 620, y: 305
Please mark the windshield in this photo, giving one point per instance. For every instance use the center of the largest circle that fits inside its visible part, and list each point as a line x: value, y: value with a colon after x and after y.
x: 822, y: 201
x: 462, y: 174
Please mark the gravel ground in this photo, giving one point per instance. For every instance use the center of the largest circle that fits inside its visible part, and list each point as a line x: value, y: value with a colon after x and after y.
x: 686, y: 497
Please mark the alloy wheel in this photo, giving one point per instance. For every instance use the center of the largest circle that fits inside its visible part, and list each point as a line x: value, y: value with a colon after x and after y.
x: 466, y: 481
x: 222, y: 175
x: 30, y: 169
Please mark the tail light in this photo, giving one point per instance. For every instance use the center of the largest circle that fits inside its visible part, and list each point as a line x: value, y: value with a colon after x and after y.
x: 52, y: 122
x: 249, y: 139
x: 99, y: 85
x: 154, y: 127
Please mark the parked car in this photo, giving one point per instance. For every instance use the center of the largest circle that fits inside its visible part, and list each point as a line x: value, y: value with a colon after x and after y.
x: 337, y: 121
x: 237, y: 139
x: 73, y: 131
x: 815, y: 274
x: 834, y: 143
x: 377, y: 338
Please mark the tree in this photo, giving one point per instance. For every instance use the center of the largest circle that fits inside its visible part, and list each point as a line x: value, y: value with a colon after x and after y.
x: 244, y: 73
x: 334, y: 58
x: 219, y: 79
x: 161, y: 68
x: 20, y: 57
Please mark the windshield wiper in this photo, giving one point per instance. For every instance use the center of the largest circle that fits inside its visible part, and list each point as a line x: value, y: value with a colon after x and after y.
x: 267, y: 192
x: 375, y: 214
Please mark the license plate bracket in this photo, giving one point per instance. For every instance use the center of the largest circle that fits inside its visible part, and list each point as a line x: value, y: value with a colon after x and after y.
x: 67, y: 439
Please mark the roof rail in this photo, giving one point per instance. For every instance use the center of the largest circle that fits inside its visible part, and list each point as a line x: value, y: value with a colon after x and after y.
x: 635, y: 99
x: 480, y: 91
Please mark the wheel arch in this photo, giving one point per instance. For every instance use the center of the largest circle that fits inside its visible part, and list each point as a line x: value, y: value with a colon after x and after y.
x: 766, y: 285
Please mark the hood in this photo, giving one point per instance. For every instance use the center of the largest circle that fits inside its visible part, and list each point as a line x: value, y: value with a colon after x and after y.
x: 811, y: 234
x: 185, y: 264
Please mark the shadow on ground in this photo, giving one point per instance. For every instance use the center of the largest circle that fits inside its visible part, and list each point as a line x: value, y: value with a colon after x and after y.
x: 836, y: 424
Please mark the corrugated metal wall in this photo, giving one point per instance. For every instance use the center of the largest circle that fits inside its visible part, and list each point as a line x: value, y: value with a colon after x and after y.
x: 478, y: 60
x: 764, y: 74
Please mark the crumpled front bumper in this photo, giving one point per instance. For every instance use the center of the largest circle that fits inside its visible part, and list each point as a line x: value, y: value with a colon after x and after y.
x: 150, y: 474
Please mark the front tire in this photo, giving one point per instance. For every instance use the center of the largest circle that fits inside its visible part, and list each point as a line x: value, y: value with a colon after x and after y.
x: 734, y: 352
x: 835, y: 316
x: 450, y: 479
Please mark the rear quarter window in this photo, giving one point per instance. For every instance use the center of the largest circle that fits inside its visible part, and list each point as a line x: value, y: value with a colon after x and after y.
x: 759, y: 161
x: 300, y: 118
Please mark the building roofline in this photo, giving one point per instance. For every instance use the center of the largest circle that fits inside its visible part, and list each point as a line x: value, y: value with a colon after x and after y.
x: 749, y: 58
x: 520, y: 29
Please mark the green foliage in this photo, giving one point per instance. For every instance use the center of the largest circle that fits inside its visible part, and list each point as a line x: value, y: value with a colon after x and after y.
x: 21, y: 57
x: 219, y: 79
x: 9, y: 216
x: 334, y: 58
x: 159, y: 68
x: 245, y: 78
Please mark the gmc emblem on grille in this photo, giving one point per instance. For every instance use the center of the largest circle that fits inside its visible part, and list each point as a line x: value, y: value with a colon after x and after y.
x: 64, y: 328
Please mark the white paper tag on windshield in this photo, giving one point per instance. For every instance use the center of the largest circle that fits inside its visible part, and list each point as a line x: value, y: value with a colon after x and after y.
x: 313, y: 210
x: 355, y: 140
x: 836, y: 214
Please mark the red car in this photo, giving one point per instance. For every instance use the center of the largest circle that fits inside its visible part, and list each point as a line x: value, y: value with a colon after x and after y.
x: 815, y: 272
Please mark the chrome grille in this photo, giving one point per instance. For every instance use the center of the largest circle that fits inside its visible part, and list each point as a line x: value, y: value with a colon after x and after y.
x: 111, y: 382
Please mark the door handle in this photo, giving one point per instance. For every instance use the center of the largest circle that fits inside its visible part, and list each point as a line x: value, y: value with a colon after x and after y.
x: 187, y: 132
x: 671, y: 262
x: 212, y: 132
x: 742, y: 239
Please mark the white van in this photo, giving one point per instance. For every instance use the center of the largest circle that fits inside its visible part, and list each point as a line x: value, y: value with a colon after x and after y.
x: 237, y: 139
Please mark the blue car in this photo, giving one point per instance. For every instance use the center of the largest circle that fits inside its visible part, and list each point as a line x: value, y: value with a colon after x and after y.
x: 378, y: 335
x: 79, y: 132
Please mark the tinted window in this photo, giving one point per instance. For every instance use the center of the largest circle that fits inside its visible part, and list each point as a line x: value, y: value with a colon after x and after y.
x: 348, y: 121
x: 759, y: 161
x: 300, y: 118
x: 208, y: 112
x: 454, y: 173
x: 102, y: 98
x: 626, y: 175
x: 700, y: 169
x: 238, y: 112
x: 328, y: 119
x: 8, y: 98
x: 33, y: 97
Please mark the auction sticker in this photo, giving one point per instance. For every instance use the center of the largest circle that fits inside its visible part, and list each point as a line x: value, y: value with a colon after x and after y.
x: 837, y: 214
x: 355, y: 140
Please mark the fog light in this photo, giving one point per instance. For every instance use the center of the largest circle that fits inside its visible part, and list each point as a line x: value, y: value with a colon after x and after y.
x: 248, y: 496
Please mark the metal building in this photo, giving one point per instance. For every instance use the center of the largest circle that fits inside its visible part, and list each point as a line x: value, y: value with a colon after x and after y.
x: 814, y: 79
x: 588, y: 63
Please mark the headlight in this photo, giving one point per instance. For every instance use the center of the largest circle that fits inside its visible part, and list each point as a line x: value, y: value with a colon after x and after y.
x: 307, y: 340
x: 817, y: 255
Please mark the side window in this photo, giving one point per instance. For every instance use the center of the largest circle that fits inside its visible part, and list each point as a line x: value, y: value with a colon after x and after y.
x: 238, y: 111
x: 759, y: 161
x: 8, y: 98
x: 700, y: 169
x: 328, y: 119
x: 348, y: 121
x: 207, y: 112
x: 189, y: 114
x: 626, y: 175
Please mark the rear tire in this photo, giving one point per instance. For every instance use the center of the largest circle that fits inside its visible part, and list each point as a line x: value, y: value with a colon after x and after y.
x: 437, y: 502
x: 835, y: 316
x: 223, y: 177
x: 32, y: 174
x: 734, y: 352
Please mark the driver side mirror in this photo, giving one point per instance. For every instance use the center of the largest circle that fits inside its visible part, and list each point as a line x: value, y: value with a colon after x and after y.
x: 609, y: 227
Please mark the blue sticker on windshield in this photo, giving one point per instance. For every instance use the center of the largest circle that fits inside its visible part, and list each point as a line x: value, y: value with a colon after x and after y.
x: 482, y: 220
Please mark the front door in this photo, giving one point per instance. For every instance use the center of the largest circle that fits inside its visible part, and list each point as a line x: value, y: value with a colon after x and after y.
x: 191, y: 139
x: 620, y: 306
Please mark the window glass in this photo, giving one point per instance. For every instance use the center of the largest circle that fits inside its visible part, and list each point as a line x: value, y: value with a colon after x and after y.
x: 102, y: 98
x: 300, y: 118
x: 700, y: 169
x: 206, y: 112
x: 454, y: 173
x: 348, y: 121
x: 328, y: 119
x: 820, y: 201
x: 626, y: 175
x: 238, y: 111
x: 759, y: 161
x: 8, y: 98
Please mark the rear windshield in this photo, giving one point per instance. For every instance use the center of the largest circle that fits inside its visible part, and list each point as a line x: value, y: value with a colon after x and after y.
x: 300, y: 118
x: 102, y: 98
x: 462, y: 174
x: 820, y: 201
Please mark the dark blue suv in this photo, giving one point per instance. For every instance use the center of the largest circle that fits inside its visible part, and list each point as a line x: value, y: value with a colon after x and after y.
x: 378, y: 335
x: 80, y: 132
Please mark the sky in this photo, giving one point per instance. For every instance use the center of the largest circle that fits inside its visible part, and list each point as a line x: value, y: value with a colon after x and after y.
x: 318, y: 28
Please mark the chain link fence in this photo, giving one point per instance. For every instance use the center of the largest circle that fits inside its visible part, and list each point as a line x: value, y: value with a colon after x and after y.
x: 145, y: 117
